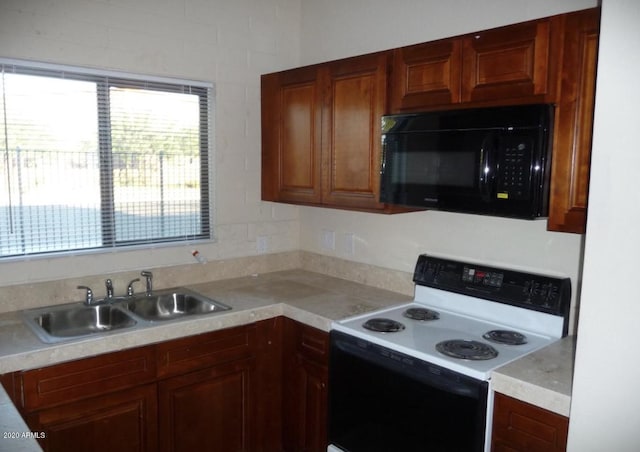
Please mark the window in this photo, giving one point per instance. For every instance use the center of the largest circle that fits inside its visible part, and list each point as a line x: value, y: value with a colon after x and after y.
x: 91, y: 160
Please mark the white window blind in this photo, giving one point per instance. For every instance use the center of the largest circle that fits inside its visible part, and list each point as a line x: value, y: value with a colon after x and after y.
x: 97, y: 161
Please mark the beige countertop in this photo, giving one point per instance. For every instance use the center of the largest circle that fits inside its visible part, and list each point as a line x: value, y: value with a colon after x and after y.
x: 305, y: 296
x: 542, y: 378
x: 311, y: 298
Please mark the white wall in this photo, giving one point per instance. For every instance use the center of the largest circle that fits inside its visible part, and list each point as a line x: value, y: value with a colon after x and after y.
x: 226, y: 42
x: 334, y: 29
x: 605, y: 409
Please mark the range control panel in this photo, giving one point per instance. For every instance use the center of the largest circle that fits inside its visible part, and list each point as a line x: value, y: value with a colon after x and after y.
x: 527, y: 290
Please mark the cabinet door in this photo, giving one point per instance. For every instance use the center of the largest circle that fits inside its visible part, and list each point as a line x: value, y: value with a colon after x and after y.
x: 208, y: 410
x: 307, y: 430
x: 351, y: 144
x: 426, y: 75
x: 305, y: 390
x: 291, y: 133
x: 574, y: 124
x: 519, y: 426
x: 513, y: 62
x: 121, y: 421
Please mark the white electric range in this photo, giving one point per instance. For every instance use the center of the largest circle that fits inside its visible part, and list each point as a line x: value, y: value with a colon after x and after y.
x: 465, y: 320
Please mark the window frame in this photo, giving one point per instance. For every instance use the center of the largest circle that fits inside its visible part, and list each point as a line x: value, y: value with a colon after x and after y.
x: 106, y: 79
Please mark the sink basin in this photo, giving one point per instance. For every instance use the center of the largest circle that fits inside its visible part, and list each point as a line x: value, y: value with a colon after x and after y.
x: 76, y: 320
x: 64, y: 322
x: 172, y: 304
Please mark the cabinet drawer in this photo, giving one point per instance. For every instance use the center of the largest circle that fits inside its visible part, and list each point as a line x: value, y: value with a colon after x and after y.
x: 76, y: 380
x: 204, y: 350
x: 308, y: 342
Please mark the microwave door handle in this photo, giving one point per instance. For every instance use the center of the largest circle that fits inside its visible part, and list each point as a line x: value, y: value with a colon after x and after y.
x: 486, y: 175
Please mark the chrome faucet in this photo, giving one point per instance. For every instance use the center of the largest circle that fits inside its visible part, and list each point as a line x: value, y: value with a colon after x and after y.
x: 149, y: 281
x: 89, y: 296
x: 130, y: 287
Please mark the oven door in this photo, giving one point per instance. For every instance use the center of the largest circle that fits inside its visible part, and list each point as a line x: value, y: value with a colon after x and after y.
x: 382, y: 400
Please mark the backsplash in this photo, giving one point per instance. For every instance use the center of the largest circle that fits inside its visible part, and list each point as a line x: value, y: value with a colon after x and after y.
x: 26, y: 296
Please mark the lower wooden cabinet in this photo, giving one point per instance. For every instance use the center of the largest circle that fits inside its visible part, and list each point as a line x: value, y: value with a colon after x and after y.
x: 201, y: 393
x: 305, y: 391
x: 260, y: 387
x: 522, y: 427
x: 122, y: 421
x: 211, y: 409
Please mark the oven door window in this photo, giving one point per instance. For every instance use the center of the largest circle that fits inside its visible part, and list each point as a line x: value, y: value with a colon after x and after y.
x: 375, y: 408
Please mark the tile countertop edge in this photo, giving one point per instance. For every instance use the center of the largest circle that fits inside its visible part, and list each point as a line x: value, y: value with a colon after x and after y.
x: 51, y: 354
x: 543, y: 378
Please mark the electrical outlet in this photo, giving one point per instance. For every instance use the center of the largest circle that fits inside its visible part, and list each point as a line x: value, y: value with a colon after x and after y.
x: 262, y: 244
x: 328, y: 240
x: 349, y: 244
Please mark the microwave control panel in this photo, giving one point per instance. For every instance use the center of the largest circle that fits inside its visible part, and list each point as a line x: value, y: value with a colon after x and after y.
x: 514, y: 168
x: 528, y: 290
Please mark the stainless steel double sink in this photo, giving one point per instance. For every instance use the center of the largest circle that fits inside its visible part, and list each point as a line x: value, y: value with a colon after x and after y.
x: 78, y: 320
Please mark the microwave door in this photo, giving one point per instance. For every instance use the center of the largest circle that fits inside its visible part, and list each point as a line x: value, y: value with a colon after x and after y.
x: 435, y: 169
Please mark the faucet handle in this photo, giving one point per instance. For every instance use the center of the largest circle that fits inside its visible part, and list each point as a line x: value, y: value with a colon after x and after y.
x: 149, y: 280
x: 89, y: 296
x: 130, y: 287
x: 109, y: 285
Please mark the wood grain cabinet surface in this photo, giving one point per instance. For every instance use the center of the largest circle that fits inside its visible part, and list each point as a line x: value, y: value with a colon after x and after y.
x: 521, y: 427
x: 321, y: 133
x: 209, y: 410
x: 512, y: 64
x: 574, y: 123
x: 305, y: 390
x: 292, y: 103
x: 517, y: 62
x: 426, y: 75
x: 124, y: 420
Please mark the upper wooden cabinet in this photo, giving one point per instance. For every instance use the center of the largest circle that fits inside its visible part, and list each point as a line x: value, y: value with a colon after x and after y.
x: 514, y: 62
x: 321, y: 124
x: 426, y: 75
x: 356, y: 94
x: 574, y: 123
x: 321, y: 133
x: 511, y: 64
x: 291, y: 131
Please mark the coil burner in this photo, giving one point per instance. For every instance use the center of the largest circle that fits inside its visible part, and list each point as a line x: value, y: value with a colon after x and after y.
x: 422, y: 314
x: 464, y: 349
x: 382, y: 325
x: 506, y: 337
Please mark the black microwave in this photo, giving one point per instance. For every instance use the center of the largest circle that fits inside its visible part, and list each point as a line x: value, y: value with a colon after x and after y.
x: 492, y: 161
